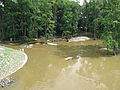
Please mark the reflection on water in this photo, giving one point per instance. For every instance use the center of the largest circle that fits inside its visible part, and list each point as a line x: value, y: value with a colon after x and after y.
x: 47, y: 69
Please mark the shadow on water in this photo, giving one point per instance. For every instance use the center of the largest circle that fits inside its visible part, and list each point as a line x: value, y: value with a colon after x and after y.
x: 92, y: 51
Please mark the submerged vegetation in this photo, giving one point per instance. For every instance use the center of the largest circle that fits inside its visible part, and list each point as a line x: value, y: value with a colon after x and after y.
x: 26, y: 19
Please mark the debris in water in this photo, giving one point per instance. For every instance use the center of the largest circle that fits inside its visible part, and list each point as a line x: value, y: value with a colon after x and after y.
x: 31, y: 45
x: 69, y: 58
x: 103, y: 49
x: 22, y: 49
x: 78, y: 56
x: 86, y: 62
x: 1, y: 48
x: 7, y: 81
x: 52, y: 44
x: 77, y: 39
x: 50, y: 65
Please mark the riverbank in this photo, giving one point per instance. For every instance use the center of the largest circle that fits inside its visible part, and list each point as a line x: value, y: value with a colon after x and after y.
x: 47, y: 68
x: 54, y: 41
x: 10, y: 61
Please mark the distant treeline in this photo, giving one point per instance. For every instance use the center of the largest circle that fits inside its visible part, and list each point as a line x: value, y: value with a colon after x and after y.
x: 26, y: 19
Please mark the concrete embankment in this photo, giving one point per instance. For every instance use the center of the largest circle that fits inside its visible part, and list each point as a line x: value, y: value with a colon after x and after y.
x: 10, y: 61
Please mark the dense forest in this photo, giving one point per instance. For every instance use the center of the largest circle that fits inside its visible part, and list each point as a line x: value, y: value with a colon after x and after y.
x: 26, y: 19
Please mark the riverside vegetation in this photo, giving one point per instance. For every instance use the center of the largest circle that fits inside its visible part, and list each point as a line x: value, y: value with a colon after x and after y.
x: 26, y: 19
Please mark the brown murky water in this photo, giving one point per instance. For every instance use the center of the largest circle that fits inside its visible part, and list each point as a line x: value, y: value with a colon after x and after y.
x: 47, y: 69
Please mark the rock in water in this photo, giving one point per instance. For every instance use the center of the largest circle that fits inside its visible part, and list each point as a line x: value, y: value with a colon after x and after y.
x: 77, y: 39
x: 7, y: 81
x: 1, y: 49
x: 22, y: 49
x: 50, y: 65
x: 103, y: 49
x: 52, y: 44
x: 69, y: 58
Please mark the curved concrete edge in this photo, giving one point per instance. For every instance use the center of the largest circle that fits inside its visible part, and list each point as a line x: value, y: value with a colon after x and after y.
x: 25, y: 61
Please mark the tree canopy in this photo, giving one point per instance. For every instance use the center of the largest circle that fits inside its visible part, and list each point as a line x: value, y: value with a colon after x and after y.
x: 26, y: 19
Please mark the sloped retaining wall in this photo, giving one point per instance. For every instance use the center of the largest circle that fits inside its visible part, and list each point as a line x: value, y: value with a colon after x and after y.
x: 10, y: 61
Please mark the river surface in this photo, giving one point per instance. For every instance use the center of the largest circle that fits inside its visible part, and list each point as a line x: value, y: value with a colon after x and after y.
x: 46, y: 69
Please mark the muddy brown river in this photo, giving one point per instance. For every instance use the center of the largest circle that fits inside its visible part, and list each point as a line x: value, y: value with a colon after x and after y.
x: 46, y: 69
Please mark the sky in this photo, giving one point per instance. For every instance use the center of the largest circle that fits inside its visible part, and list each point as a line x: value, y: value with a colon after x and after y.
x: 81, y: 1
x: 14, y: 0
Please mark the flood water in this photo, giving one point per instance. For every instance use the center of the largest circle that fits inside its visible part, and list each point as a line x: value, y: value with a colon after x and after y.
x: 46, y: 69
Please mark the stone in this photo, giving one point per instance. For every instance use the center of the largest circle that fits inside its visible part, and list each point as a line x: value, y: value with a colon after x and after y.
x: 1, y: 48
x: 69, y: 58
x: 7, y: 81
x: 103, y: 49
x: 52, y: 44
x: 22, y: 49
x: 77, y: 39
x: 50, y: 65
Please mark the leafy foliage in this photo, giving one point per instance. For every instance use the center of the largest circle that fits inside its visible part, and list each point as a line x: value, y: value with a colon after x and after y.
x: 26, y: 19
